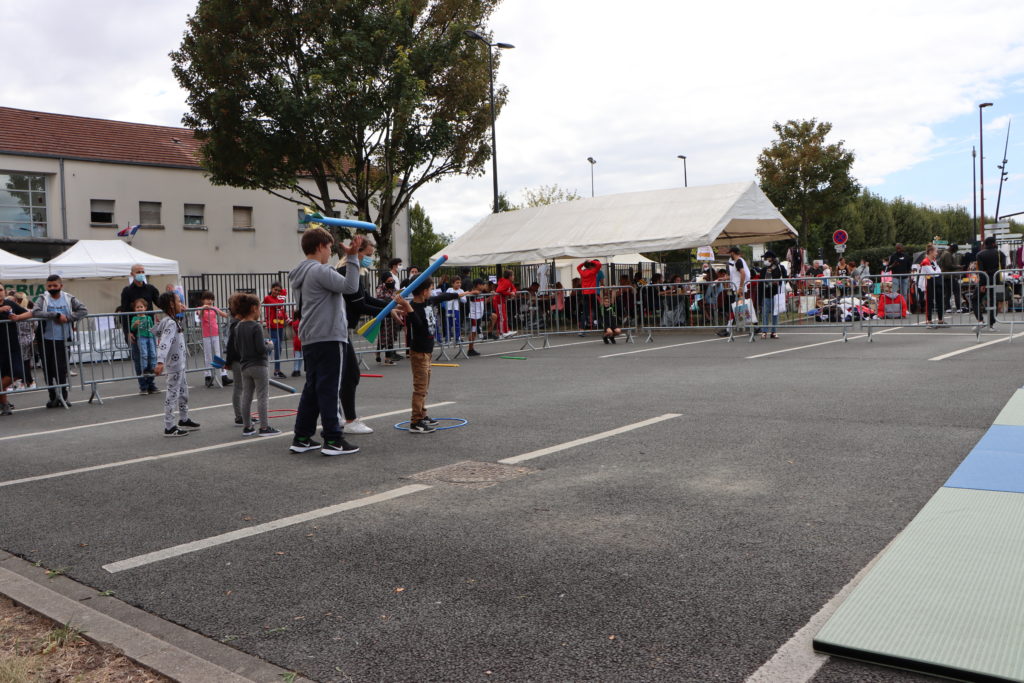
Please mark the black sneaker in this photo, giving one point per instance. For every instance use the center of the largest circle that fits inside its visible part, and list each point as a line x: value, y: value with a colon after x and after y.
x: 338, y: 447
x: 239, y: 421
x: 226, y: 381
x: 187, y: 424
x: 607, y: 340
x: 209, y: 382
x: 174, y: 431
x: 302, y: 444
x: 296, y: 373
x: 152, y: 390
x: 613, y: 340
x: 472, y: 352
x: 267, y: 431
x: 421, y: 427
x: 249, y: 431
x: 722, y: 333
x: 430, y: 421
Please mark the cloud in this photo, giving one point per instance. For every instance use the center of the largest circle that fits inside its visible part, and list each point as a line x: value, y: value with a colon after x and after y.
x: 631, y: 86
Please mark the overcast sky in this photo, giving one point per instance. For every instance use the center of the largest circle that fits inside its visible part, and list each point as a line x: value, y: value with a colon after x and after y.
x: 633, y: 88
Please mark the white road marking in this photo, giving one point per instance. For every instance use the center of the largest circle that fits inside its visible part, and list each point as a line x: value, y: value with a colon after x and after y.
x: 127, y: 419
x: 796, y: 661
x: 84, y: 397
x: 553, y: 346
x: 975, y: 347
x: 809, y: 346
x: 202, y: 544
x: 175, y: 454
x: 587, y: 439
x: 659, y: 348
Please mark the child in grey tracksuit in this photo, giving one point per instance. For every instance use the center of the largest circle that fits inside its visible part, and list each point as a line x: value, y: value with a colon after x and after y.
x: 171, y: 358
x: 251, y: 348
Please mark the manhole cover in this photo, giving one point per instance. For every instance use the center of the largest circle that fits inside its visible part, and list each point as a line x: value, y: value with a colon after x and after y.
x: 472, y: 474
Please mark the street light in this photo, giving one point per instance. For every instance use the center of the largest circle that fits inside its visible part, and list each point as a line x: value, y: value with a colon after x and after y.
x: 981, y: 170
x: 490, y: 69
x: 683, y: 157
x: 592, y: 162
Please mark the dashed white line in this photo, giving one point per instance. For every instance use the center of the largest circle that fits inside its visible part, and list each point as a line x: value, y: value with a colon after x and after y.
x: 123, y: 420
x: 976, y: 347
x: 176, y: 454
x: 202, y: 544
x: 807, y: 346
x: 587, y: 439
x: 659, y: 348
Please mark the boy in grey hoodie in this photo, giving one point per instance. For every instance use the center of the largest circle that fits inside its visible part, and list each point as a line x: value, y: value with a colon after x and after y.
x: 323, y: 329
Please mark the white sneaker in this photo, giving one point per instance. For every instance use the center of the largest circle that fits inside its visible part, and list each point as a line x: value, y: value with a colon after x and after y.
x: 510, y: 333
x: 357, y: 427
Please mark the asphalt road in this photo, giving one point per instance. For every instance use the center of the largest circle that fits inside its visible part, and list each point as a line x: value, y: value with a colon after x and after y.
x: 688, y: 549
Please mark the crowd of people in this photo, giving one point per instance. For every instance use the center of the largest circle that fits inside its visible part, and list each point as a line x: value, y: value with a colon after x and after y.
x: 319, y: 317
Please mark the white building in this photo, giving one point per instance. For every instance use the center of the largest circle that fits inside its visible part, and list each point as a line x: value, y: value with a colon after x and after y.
x: 66, y: 178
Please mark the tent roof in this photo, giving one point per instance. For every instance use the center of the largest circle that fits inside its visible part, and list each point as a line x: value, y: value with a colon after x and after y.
x: 655, y: 220
x: 14, y: 267
x: 108, y: 258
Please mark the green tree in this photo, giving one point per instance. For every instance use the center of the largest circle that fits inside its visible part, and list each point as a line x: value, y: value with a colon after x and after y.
x: 806, y: 178
x: 504, y: 204
x: 370, y: 99
x: 424, y: 241
x: 548, y: 194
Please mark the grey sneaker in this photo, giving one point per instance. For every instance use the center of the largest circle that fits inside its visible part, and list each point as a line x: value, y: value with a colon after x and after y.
x: 267, y: 431
x: 249, y: 431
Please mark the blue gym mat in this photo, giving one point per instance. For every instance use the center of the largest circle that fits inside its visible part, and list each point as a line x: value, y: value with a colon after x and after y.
x: 995, y: 464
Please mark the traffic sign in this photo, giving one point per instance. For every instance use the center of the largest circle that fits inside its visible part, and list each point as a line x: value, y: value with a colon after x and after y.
x: 839, y: 237
x: 840, y: 248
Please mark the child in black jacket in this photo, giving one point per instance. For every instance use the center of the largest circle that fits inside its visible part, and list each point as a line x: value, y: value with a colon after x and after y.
x: 421, y: 323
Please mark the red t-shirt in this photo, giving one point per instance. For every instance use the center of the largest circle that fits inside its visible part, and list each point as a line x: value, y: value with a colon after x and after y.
x: 277, y: 316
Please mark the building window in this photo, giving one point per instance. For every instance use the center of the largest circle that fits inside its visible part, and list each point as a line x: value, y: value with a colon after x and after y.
x: 195, y: 215
x: 241, y: 218
x: 149, y: 213
x: 22, y: 205
x: 101, y: 211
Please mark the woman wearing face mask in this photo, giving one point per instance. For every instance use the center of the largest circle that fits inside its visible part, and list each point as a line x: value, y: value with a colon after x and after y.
x: 771, y: 271
x: 357, y: 304
x: 138, y: 288
x: 386, y: 336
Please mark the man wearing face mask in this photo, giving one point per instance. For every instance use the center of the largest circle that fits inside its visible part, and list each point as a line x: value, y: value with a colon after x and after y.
x: 138, y: 288
x: 59, y: 311
x: 357, y: 304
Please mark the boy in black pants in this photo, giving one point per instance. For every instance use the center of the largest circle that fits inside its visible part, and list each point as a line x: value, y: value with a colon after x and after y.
x: 421, y: 324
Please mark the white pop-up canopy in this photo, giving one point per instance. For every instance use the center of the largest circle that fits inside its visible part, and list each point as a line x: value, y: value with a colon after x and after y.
x: 107, y: 258
x: 656, y: 220
x: 14, y: 267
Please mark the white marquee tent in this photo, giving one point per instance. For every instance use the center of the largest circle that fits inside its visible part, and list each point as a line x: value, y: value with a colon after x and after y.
x: 651, y: 221
x: 107, y: 258
x: 13, y: 267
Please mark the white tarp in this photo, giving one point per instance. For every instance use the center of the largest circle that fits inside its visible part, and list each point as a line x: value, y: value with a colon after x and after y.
x: 13, y: 267
x: 107, y: 258
x: 652, y: 221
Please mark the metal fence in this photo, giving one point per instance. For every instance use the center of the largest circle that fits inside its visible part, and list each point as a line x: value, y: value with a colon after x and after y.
x: 104, y: 347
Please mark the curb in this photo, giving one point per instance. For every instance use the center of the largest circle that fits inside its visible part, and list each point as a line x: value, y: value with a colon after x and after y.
x: 166, y: 648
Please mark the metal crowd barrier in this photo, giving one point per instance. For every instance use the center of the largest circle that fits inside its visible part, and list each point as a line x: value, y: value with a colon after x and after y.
x: 1008, y: 297
x: 953, y: 299
x: 33, y: 363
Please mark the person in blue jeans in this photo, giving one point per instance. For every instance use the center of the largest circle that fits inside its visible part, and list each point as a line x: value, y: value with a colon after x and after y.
x: 142, y: 327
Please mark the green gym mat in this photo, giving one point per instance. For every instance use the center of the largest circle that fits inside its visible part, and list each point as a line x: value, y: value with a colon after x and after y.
x: 1013, y: 412
x: 947, y: 598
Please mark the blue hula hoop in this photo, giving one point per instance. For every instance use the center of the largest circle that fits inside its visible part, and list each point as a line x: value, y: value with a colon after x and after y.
x: 460, y: 422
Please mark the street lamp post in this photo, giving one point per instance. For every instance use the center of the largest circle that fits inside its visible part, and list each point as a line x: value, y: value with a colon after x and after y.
x: 490, y: 69
x: 974, y: 180
x: 981, y: 170
x: 592, y: 162
x: 685, y: 181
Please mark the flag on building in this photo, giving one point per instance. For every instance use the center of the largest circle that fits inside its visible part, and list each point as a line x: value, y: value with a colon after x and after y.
x: 128, y: 232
